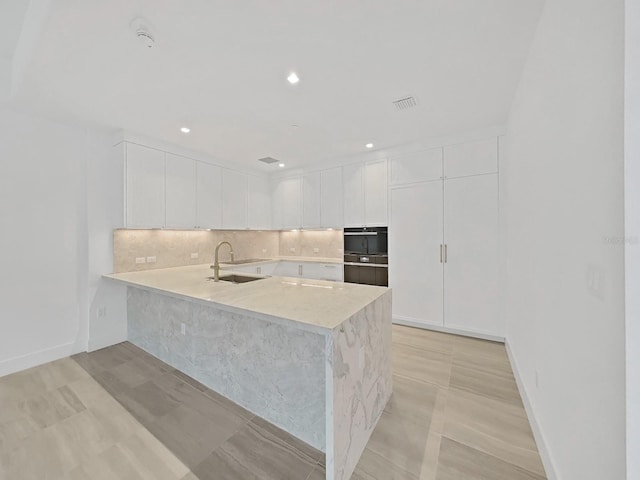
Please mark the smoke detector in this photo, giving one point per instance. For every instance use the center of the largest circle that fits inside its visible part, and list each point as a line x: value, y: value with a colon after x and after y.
x: 142, y: 30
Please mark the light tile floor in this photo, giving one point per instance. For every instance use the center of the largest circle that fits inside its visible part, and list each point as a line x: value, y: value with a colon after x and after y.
x: 119, y: 413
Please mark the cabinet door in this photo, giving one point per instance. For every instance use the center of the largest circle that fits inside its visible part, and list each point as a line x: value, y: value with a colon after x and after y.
x: 375, y: 193
x: 259, y: 208
x: 287, y: 269
x: 180, y: 178
x: 423, y: 166
x: 311, y: 200
x: 234, y: 199
x: 331, y: 202
x: 267, y: 268
x: 331, y: 271
x: 286, y: 205
x: 145, y: 187
x: 209, y: 197
x: 471, y: 268
x: 415, y: 269
x: 353, y: 192
x: 471, y: 158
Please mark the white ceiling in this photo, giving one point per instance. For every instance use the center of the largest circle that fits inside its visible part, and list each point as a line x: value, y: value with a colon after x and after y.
x: 220, y: 67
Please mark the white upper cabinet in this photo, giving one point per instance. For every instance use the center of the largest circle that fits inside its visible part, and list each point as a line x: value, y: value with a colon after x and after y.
x: 287, y: 200
x: 331, y: 199
x: 311, y: 200
x: 145, y: 207
x: 365, y: 194
x: 209, y: 196
x: 234, y: 199
x: 375, y: 193
x: 423, y: 166
x: 471, y: 158
x: 180, y: 194
x: 259, y: 207
x: 353, y: 193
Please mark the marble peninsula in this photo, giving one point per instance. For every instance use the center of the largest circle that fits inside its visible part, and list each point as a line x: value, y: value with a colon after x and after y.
x: 313, y: 357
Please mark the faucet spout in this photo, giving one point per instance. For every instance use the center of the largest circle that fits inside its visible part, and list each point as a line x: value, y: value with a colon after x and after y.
x: 216, y: 262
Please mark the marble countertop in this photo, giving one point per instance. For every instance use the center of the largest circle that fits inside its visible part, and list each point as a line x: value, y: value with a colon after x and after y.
x: 315, y: 305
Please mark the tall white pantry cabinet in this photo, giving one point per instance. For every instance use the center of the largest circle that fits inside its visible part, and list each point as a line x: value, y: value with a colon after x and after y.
x: 443, y: 238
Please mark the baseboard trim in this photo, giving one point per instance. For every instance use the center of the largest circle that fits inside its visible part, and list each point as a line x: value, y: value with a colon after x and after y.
x: 543, y: 450
x: 23, y: 362
x: 455, y: 331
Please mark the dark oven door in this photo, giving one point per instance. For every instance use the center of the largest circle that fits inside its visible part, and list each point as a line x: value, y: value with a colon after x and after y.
x: 366, y: 270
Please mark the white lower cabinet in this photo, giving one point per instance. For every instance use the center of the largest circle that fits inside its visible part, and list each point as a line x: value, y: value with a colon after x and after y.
x: 261, y: 269
x: 288, y: 269
x: 323, y: 271
x: 312, y: 270
x: 443, y: 247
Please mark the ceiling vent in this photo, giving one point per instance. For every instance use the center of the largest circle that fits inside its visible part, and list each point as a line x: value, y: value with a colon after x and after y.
x: 142, y: 30
x: 268, y: 160
x: 405, y: 102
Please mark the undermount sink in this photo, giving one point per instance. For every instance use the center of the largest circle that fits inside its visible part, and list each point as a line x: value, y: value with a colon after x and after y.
x: 237, y: 278
x: 246, y: 260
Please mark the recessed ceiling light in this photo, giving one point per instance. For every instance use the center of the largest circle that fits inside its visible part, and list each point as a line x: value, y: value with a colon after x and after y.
x: 185, y: 129
x: 293, y: 78
x: 281, y: 165
x: 369, y: 145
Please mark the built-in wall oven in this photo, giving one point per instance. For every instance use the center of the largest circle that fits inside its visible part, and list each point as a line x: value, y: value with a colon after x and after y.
x: 365, y: 256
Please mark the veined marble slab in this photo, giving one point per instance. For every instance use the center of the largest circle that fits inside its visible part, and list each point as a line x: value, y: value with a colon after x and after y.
x: 311, y: 356
x: 274, y: 371
x: 314, y: 305
x: 360, y: 385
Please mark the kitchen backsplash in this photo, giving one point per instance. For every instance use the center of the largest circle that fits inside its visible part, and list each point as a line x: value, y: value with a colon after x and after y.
x: 174, y: 248
x: 311, y: 243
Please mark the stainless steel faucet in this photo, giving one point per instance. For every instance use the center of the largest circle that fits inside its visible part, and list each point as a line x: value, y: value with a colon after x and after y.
x: 216, y: 262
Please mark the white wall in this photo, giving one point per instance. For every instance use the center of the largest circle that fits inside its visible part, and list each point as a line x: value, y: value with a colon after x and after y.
x: 105, y: 211
x: 564, y: 222
x: 46, y: 285
x: 43, y: 241
x: 632, y: 233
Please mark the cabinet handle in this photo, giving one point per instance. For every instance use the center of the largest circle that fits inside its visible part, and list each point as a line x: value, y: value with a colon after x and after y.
x: 299, y: 269
x: 445, y: 253
x: 440, y: 253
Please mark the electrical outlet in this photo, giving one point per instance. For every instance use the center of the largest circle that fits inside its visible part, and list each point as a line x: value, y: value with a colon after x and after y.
x: 151, y: 259
x: 264, y: 250
x: 316, y: 250
x: 292, y: 249
x: 141, y: 260
x: 595, y: 281
x: 101, y: 312
x: 194, y: 255
x: 183, y: 329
